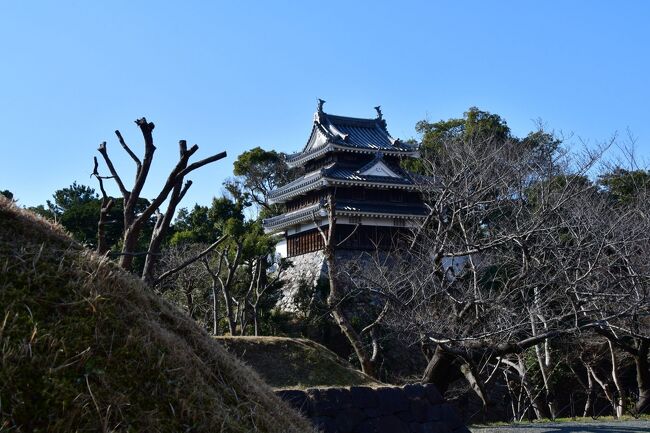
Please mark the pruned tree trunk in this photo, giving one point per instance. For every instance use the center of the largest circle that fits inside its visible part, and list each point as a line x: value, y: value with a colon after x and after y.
x: 134, y: 218
x: 163, y: 222
x: 106, y: 205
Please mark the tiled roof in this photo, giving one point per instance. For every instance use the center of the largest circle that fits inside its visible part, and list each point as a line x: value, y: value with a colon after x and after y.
x: 279, y: 222
x: 357, y: 134
x: 363, y: 134
x: 353, y: 174
x: 335, y: 174
x: 387, y: 209
x: 346, y: 207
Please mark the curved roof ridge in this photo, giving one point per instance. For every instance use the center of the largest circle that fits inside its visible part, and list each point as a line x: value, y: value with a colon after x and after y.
x: 352, y: 121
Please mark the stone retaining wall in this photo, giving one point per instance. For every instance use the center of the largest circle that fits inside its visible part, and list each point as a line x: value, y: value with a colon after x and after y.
x: 359, y: 409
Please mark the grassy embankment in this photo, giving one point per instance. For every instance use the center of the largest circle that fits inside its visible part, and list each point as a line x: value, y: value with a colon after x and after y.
x: 85, y: 346
x: 295, y: 362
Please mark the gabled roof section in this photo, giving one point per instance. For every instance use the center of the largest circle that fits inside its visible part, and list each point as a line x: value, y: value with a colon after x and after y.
x: 378, y: 167
x: 344, y: 176
x: 332, y: 132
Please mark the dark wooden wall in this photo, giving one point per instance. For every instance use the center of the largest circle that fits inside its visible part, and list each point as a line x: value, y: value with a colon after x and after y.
x: 365, y: 238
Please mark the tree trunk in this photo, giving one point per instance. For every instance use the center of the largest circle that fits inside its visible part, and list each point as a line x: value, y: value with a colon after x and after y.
x: 620, y: 397
x: 475, y: 383
x: 225, y: 290
x: 341, y: 319
x: 544, y: 362
x: 607, y: 390
x: 133, y: 222
x: 335, y: 296
x: 160, y: 230
x: 129, y: 242
x: 190, y: 300
x: 255, y: 325
x: 643, y: 377
x: 590, y: 395
x: 442, y: 370
x: 214, y: 309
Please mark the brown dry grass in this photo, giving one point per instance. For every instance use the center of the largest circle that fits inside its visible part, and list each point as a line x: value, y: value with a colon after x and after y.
x: 85, y: 346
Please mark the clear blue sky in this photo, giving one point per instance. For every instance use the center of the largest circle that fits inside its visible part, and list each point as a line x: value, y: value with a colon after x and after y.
x: 239, y: 74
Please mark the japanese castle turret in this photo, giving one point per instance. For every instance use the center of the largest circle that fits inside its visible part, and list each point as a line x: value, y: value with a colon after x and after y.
x: 358, y: 162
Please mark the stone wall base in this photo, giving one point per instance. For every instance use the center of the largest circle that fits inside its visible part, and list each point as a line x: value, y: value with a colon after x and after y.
x: 310, y: 270
x: 409, y: 409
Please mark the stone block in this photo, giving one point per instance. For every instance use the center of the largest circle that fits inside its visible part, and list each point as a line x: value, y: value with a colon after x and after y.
x: 340, y: 397
x: 392, y: 400
x: 406, y: 416
x: 347, y: 420
x: 363, y: 397
x: 320, y: 405
x: 433, y: 394
x: 419, y: 409
x: 434, y: 412
x: 373, y: 412
x: 417, y: 427
x: 367, y: 426
x: 414, y: 390
x: 450, y: 417
x: 440, y: 427
x: 391, y: 424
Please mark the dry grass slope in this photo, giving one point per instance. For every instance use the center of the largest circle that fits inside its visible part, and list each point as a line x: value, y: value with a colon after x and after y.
x: 295, y: 362
x: 85, y: 347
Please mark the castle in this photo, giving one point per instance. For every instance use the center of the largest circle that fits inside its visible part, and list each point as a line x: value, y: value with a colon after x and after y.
x: 357, y: 162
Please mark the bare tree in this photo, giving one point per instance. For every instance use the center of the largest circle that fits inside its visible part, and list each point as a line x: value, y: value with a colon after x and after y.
x: 338, y: 293
x: 262, y: 283
x: 188, y: 285
x: 173, y: 190
x: 224, y: 276
x: 519, y: 248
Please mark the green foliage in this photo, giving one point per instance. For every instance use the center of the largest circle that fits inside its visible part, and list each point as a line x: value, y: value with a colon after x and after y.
x: 625, y: 186
x: 478, y: 127
x: 77, y: 209
x: 194, y: 226
x: 70, y: 197
x: 541, y: 190
x: 258, y: 172
x: 7, y: 194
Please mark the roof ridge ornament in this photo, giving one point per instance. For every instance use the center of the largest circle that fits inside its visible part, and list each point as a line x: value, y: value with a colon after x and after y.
x: 380, y: 119
x: 319, y: 114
